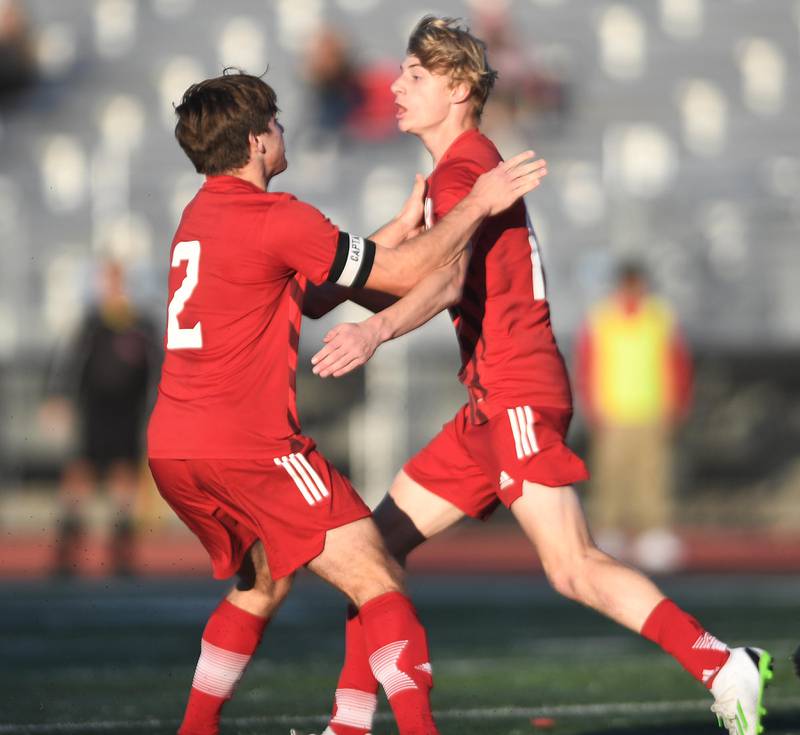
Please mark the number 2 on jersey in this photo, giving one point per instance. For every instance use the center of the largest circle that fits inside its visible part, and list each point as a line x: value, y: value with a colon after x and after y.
x: 191, y: 338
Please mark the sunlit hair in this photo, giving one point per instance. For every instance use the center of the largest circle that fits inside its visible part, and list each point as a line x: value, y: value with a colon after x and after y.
x: 445, y: 46
x: 216, y: 116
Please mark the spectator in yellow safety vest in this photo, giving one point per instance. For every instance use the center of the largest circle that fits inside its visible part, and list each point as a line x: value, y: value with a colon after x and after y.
x: 634, y: 378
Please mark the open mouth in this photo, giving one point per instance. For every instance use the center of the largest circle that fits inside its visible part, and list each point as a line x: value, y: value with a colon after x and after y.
x: 399, y: 110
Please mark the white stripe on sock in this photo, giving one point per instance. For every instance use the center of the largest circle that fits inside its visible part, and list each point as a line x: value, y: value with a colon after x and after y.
x: 383, y: 663
x: 710, y: 643
x: 218, y: 671
x: 355, y: 708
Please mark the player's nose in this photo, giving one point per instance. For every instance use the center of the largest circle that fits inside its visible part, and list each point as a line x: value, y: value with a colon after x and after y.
x: 395, y: 87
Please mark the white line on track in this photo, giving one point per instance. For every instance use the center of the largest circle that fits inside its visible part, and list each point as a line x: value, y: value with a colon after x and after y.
x: 477, y: 713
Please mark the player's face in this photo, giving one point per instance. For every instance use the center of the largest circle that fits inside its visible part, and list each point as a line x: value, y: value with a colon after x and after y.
x: 275, y: 158
x: 422, y: 99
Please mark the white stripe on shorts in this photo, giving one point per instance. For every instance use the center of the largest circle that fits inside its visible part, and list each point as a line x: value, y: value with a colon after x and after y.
x: 512, y: 418
x: 527, y: 450
x: 309, y: 483
x: 521, y: 420
x: 311, y: 471
x: 529, y: 428
x: 284, y: 462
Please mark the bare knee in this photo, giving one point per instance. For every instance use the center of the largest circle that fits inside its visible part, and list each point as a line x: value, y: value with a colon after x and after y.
x: 572, y: 576
x: 256, y: 591
x: 376, y: 581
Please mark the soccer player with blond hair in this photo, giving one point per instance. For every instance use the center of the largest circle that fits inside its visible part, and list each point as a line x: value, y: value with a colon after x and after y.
x: 506, y: 445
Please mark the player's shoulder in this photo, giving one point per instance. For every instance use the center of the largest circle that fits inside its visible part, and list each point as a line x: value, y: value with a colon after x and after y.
x: 284, y: 204
x: 286, y: 209
x: 284, y: 201
x: 476, y: 148
x: 470, y: 156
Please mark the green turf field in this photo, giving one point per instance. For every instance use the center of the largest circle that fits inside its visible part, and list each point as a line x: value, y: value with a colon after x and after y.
x: 118, y: 657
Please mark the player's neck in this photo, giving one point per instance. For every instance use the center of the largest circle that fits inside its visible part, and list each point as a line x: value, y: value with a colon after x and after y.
x: 254, y: 173
x: 437, y: 140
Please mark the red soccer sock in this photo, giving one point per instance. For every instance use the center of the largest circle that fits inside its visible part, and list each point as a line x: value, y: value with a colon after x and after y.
x: 398, y: 656
x: 356, y: 692
x: 681, y: 636
x: 229, y: 640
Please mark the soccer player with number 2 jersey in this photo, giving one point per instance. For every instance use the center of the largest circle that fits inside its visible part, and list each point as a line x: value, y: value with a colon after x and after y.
x: 506, y: 445
x: 224, y: 440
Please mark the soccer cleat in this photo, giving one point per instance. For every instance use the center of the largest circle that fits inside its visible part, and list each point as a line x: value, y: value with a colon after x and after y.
x: 739, y: 691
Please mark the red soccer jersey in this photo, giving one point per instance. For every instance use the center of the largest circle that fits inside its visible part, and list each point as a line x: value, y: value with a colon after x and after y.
x: 508, y: 351
x: 240, y: 259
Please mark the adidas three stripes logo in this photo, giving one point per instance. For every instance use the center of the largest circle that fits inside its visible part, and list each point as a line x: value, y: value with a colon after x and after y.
x: 521, y: 419
x: 305, y: 477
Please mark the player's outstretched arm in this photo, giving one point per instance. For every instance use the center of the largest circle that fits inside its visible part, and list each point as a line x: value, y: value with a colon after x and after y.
x: 396, y: 270
x: 350, y: 345
x: 319, y: 300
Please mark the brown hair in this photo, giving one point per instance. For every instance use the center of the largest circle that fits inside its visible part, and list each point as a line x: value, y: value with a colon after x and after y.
x: 216, y: 116
x: 443, y: 46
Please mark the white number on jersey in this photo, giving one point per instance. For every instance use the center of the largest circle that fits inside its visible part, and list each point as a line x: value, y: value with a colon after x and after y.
x: 536, y: 258
x: 177, y: 338
x: 536, y: 262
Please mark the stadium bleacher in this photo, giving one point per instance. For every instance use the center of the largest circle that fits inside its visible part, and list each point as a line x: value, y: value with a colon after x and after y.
x: 679, y: 145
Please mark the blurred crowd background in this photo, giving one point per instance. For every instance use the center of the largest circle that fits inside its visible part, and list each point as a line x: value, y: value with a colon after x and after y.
x: 671, y: 132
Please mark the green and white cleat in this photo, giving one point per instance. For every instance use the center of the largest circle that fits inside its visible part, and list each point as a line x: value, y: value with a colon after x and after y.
x: 738, y: 691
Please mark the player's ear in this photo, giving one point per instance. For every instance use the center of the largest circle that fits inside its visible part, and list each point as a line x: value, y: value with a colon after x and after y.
x: 256, y: 144
x: 459, y: 92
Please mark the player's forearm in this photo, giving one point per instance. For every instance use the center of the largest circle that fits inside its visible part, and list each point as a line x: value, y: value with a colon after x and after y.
x: 433, y: 294
x: 398, y: 270
x: 375, y: 301
x: 320, y: 300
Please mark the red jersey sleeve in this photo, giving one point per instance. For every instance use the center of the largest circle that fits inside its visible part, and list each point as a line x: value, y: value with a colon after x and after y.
x: 302, y: 238
x: 452, y: 181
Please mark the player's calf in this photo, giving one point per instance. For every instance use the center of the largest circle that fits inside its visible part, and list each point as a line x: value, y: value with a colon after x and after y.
x: 231, y: 637
x: 393, y: 641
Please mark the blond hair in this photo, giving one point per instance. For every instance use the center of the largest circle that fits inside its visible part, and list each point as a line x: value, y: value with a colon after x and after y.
x: 443, y: 46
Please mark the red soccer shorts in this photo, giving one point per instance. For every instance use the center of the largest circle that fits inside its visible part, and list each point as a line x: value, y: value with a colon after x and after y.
x: 288, y: 503
x: 475, y: 467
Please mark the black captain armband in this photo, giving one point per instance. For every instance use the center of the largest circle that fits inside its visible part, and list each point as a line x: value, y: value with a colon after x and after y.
x: 353, y: 262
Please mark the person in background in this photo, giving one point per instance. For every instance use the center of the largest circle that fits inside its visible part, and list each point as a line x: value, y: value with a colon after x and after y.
x: 634, y: 376
x: 103, y: 377
x: 348, y: 96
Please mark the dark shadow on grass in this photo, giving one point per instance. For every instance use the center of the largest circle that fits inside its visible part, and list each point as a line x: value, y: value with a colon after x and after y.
x: 780, y: 723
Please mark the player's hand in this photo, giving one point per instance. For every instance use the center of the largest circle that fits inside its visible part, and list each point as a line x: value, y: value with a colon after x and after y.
x: 498, y: 189
x: 347, y: 346
x: 414, y: 207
